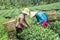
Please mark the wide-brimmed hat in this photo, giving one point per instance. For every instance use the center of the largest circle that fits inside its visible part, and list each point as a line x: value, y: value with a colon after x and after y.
x: 26, y: 11
x: 32, y: 14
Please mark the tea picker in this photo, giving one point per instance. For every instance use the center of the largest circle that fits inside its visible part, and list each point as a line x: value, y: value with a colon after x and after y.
x: 41, y: 18
x: 22, y: 22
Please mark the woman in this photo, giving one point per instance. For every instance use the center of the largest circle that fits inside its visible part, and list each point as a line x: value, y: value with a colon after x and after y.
x: 21, y: 21
x: 41, y: 18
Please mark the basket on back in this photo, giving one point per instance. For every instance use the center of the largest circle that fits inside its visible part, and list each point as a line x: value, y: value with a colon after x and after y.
x: 51, y: 15
x: 10, y: 25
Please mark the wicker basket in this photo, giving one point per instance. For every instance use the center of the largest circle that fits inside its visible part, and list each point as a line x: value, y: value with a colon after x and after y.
x: 10, y: 25
x: 51, y: 15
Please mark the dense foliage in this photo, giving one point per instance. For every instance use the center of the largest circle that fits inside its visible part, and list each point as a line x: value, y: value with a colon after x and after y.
x: 23, y: 3
x: 54, y: 26
x: 3, y: 33
x: 38, y: 33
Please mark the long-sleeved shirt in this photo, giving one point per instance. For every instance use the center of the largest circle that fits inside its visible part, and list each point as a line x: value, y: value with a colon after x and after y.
x: 41, y: 16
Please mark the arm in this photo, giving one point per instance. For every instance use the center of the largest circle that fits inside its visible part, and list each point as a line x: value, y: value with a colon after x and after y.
x: 26, y: 23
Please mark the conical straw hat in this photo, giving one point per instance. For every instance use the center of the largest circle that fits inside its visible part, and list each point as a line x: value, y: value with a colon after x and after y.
x: 32, y: 14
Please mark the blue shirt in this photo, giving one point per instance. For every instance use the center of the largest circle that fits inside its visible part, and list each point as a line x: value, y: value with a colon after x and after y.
x: 41, y: 16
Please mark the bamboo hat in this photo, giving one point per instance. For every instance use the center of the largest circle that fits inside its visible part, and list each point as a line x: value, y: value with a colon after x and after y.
x: 26, y: 11
x: 32, y: 14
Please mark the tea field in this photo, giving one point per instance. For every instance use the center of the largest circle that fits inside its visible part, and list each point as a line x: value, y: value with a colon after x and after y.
x: 35, y: 32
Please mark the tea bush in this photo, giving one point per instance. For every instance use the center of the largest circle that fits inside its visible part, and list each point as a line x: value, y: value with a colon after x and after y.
x: 55, y: 26
x: 3, y: 32
x: 38, y: 33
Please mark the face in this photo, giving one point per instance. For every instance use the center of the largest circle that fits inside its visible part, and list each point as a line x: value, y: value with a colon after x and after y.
x: 25, y: 14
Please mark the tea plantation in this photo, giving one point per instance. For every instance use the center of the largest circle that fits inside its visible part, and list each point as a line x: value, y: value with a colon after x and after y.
x: 35, y: 32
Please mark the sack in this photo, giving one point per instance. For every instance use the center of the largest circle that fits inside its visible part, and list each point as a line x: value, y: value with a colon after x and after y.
x: 10, y: 25
x: 51, y: 15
